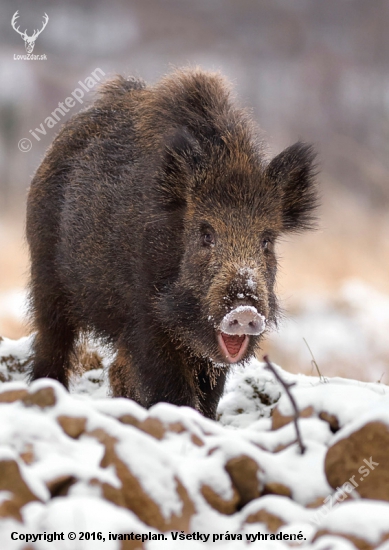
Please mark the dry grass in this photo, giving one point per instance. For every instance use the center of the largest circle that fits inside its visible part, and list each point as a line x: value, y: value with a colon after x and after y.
x: 13, y: 270
x: 14, y: 257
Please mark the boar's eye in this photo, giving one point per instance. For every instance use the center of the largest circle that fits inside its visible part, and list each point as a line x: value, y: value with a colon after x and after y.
x: 208, y: 239
x: 267, y: 244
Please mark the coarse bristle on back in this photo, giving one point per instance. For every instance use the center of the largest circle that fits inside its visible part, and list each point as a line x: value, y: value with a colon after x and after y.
x: 120, y: 86
x: 202, y: 101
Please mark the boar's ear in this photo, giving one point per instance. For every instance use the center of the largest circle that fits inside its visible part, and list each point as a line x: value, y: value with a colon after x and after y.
x: 294, y: 172
x: 182, y: 157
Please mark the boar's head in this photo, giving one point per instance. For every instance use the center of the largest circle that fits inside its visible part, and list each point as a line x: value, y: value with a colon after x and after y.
x: 229, y: 207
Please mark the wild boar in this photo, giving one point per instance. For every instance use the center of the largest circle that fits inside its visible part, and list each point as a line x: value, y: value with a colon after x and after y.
x: 151, y: 223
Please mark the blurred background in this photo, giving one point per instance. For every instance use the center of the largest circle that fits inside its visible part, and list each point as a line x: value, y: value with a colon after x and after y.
x: 310, y: 70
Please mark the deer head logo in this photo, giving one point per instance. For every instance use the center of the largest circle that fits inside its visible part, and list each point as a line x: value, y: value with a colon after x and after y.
x: 29, y: 41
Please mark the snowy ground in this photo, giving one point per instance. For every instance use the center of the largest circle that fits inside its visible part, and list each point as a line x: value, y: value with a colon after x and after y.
x: 98, y: 467
x: 346, y: 332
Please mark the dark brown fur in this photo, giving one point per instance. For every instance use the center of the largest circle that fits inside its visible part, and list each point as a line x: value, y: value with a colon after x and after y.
x: 116, y: 218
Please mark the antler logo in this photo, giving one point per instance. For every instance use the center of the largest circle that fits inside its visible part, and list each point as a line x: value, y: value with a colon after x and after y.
x: 29, y: 41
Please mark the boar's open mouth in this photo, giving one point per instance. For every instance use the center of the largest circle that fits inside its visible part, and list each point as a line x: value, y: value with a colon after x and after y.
x: 235, y: 331
x: 232, y: 347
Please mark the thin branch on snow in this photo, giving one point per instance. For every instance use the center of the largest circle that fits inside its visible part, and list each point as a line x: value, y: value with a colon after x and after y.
x: 314, y: 364
x: 296, y: 415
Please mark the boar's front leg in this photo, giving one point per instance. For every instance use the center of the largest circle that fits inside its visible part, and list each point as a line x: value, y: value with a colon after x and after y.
x: 171, y: 376
x: 55, y: 336
x: 210, y: 383
x: 149, y: 378
x: 123, y: 378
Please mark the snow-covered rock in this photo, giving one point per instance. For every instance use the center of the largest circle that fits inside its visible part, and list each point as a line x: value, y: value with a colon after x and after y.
x: 82, y: 462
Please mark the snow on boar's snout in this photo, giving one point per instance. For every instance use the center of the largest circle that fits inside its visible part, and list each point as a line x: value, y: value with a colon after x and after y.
x: 243, y: 320
x: 241, y: 297
x: 235, y: 330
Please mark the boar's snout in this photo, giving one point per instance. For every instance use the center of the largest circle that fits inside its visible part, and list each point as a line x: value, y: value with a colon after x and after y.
x: 236, y: 328
x: 243, y: 320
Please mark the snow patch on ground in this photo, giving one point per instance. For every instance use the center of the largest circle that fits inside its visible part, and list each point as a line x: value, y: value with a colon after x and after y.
x: 346, y: 331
